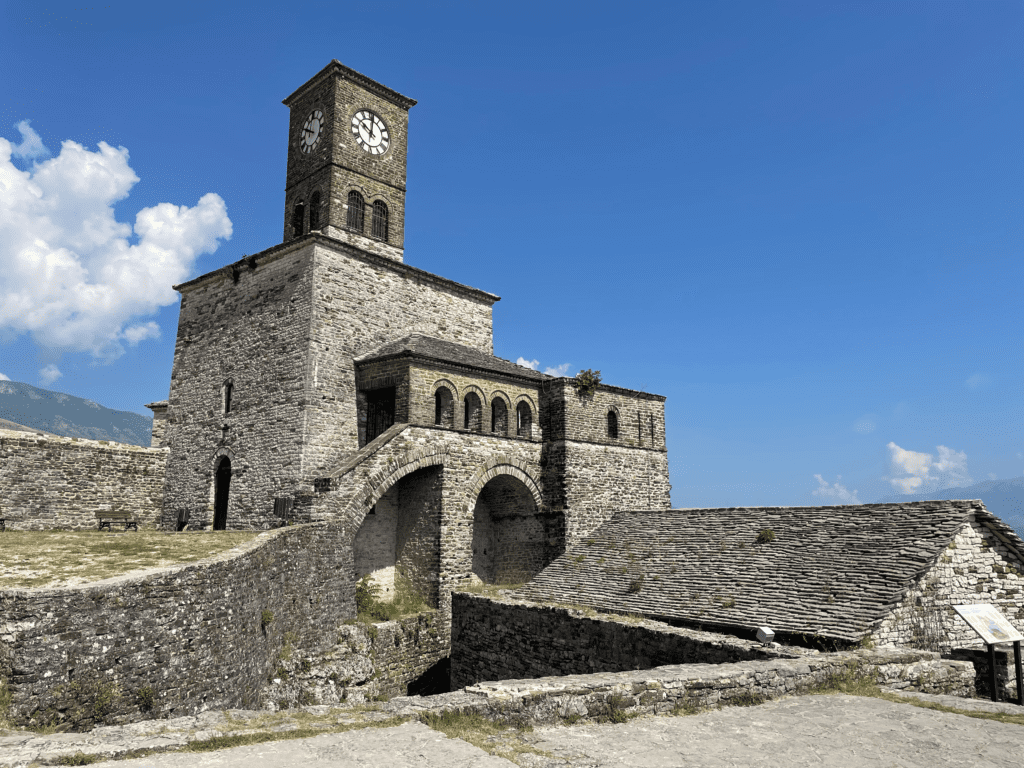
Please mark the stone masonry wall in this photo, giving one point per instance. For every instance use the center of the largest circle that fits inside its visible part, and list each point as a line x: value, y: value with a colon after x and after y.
x: 360, y: 303
x: 390, y: 658
x: 177, y: 641
x: 251, y: 331
x: 591, y: 482
x: 976, y: 568
x: 62, y: 482
x: 499, y: 638
x: 641, y: 416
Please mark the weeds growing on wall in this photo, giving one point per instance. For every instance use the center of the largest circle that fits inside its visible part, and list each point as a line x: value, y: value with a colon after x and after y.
x: 370, y: 608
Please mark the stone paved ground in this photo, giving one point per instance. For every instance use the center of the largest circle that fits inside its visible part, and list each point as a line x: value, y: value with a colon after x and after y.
x: 839, y: 730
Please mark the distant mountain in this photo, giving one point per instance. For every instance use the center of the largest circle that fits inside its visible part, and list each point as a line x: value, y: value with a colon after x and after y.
x: 70, y: 416
x: 1004, y: 498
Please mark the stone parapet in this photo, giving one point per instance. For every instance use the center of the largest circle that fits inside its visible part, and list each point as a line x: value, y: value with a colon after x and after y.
x: 604, y: 696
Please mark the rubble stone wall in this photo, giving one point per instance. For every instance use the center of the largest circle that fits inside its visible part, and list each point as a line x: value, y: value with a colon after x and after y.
x: 62, y: 482
x: 177, y: 641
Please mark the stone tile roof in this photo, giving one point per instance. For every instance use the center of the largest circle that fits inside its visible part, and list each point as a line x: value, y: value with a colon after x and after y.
x: 428, y: 348
x: 831, y: 571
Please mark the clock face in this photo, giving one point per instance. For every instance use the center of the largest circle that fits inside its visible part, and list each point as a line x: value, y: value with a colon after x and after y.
x: 311, y: 131
x: 371, y: 132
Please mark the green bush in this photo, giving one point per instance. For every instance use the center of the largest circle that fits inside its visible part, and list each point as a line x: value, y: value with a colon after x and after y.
x: 765, y: 535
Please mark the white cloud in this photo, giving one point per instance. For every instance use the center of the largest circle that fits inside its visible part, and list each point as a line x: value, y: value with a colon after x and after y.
x: 977, y: 380
x: 72, y: 277
x: 558, y: 370
x: 866, y: 424
x: 835, y: 492
x: 923, y: 472
x: 31, y: 146
x: 531, y: 364
x: 992, y: 475
x: 4, y: 378
x: 49, y: 374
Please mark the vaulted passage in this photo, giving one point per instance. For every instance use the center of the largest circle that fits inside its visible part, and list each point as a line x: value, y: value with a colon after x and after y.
x: 512, y: 540
x: 400, y: 537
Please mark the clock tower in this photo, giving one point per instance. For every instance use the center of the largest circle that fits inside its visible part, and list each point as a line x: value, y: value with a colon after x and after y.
x: 346, y: 161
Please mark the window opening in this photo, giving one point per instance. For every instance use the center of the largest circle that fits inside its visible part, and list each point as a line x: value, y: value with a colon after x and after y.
x: 354, y: 220
x: 443, y: 407
x: 380, y: 220
x: 524, y: 420
x: 472, y: 417
x: 298, y: 217
x: 499, y: 416
x: 380, y: 412
x: 314, y: 211
x: 613, y: 424
x: 228, y: 386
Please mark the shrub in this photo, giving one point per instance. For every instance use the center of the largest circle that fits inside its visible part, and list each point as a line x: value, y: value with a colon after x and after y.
x: 586, y: 382
x: 266, y: 618
x: 765, y: 535
x: 144, y: 697
x: 636, y: 585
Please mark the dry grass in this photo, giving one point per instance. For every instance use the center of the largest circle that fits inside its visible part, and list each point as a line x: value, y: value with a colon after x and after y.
x: 66, y: 558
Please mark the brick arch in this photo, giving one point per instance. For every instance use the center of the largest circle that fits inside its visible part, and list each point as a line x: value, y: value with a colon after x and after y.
x: 222, y: 451
x: 503, y: 465
x: 382, y: 480
x: 529, y: 401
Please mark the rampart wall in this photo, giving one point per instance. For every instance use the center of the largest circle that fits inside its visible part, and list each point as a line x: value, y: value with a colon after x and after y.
x: 62, y: 482
x: 177, y: 641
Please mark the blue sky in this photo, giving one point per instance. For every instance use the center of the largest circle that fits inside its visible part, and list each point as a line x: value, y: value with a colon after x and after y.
x: 801, y: 222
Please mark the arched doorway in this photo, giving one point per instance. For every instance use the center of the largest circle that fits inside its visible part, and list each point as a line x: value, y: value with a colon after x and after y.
x: 513, y: 540
x: 222, y: 483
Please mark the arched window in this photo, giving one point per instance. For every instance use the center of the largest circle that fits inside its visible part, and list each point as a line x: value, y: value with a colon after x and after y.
x: 524, y: 420
x: 444, y: 407
x: 298, y: 218
x: 380, y: 220
x: 226, y: 391
x: 499, y: 416
x: 472, y: 418
x: 314, y: 211
x: 354, y: 220
x: 613, y: 424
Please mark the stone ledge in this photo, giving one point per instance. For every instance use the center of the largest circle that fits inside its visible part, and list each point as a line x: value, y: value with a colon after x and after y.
x: 550, y: 700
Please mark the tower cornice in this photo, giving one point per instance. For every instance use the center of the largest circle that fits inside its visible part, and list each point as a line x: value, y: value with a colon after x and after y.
x: 339, y: 69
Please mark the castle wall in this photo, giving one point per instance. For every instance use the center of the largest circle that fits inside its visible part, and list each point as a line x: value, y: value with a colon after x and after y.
x: 252, y: 332
x: 179, y: 641
x: 976, y: 568
x: 567, y: 416
x: 591, y: 482
x: 361, y: 303
x: 62, y: 482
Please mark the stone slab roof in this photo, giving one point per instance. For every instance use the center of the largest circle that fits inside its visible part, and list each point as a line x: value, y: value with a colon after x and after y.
x: 831, y: 571
x: 417, y: 345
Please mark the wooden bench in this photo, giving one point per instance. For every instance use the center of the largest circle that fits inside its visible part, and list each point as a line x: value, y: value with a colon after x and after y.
x: 107, y: 518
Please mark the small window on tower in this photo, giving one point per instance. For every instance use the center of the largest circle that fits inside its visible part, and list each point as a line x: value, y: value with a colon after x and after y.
x: 380, y: 220
x: 298, y: 219
x: 228, y: 386
x: 354, y: 220
x: 314, y: 211
x: 613, y: 424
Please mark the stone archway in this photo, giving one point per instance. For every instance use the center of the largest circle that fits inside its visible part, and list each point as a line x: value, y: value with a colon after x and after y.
x: 397, y: 519
x: 514, y: 536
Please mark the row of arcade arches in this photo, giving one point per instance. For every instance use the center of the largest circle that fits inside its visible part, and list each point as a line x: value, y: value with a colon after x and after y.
x: 473, y: 415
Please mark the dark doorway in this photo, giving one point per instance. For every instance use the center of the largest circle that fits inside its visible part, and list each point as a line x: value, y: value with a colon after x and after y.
x: 220, y: 495
x: 380, y: 411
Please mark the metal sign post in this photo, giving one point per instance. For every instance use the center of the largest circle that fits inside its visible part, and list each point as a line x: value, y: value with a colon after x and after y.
x: 994, y: 629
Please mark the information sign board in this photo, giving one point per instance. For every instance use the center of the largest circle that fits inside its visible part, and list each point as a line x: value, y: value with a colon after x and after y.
x: 988, y: 622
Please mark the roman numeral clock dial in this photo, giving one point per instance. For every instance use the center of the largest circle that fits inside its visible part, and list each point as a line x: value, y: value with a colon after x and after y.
x: 371, y: 132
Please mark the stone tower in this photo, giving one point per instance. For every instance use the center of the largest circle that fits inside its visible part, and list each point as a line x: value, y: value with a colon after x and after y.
x: 347, y: 142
